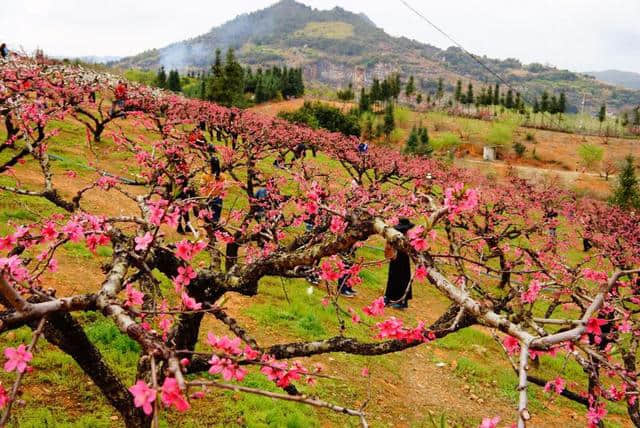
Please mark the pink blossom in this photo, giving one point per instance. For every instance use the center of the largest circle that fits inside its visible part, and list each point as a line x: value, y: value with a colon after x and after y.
x: 624, y: 326
x: 142, y: 242
x: 376, y: 308
x: 365, y: 372
x: 184, y: 277
x: 4, y: 397
x: 531, y: 294
x: 190, y: 303
x: 227, y: 368
x: 224, y: 237
x: 250, y: 353
x: 338, y: 225
x: 134, y: 297
x: 458, y: 201
x: 48, y: 231
x: 389, y: 328
x: 172, y: 396
x: 421, y: 273
x: 143, y: 396
x: 53, y: 265
x: 511, y: 344
x: 593, y: 275
x: 593, y: 326
x: 355, y: 318
x: 489, y: 422
x: 225, y: 344
x: 328, y: 273
x: 7, y: 242
x: 556, y: 385
x: 415, y: 232
x: 74, y: 230
x: 595, y: 415
x: 15, y: 267
x: 419, y: 244
x: 17, y: 359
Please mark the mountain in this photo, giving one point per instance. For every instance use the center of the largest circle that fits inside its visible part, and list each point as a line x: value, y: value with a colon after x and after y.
x: 336, y: 47
x: 626, y: 79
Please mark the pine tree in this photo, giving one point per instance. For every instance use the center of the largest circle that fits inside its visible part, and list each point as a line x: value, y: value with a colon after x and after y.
x: 216, y: 69
x: 489, y: 99
x: 389, y: 121
x: 562, y: 103
x: 440, y: 92
x: 419, y: 99
x: 469, y: 97
x: 411, y: 88
x: 458, y: 95
x: 376, y: 91
x: 627, y: 193
x: 364, y: 104
x: 233, y: 80
x: 536, y: 106
x: 161, y: 79
x: 602, y: 114
x: 509, y: 100
x: 173, y: 82
x: 411, y: 146
x: 496, y: 95
x: 636, y: 116
x: 544, y: 102
x: 553, y: 104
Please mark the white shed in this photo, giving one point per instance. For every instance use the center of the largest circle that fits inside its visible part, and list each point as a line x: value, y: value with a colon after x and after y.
x: 489, y: 153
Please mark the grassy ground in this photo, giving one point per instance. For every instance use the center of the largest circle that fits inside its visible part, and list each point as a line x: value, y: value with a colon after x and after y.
x: 460, y: 379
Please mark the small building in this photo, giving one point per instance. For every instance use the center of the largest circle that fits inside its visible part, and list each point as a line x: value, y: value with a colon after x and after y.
x: 489, y: 153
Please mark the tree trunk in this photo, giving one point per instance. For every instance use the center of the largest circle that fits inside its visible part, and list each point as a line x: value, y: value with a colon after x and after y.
x: 66, y: 333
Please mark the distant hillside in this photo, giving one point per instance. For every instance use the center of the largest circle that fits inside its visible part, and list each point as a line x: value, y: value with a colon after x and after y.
x: 337, y: 47
x: 627, y: 79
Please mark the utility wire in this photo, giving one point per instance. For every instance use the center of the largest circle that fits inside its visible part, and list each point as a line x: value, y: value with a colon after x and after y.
x: 472, y: 56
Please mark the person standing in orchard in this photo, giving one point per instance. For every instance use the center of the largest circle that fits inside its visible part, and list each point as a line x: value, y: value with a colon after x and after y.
x: 4, y: 52
x: 398, y: 292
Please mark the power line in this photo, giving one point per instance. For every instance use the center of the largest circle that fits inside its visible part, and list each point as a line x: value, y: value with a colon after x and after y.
x: 472, y: 56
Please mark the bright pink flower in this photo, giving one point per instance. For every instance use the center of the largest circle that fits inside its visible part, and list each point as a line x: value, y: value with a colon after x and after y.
x: 421, y: 273
x: 134, y: 297
x: 224, y: 237
x: 594, y: 324
x: 593, y: 275
x: 364, y: 372
x: 511, y: 344
x: 225, y: 344
x: 185, y: 275
x: 53, y: 265
x: 338, y: 225
x: 17, y: 359
x: 355, y: 318
x: 15, y: 267
x: 7, y: 242
x: 419, y: 244
x: 490, y: 422
x: 74, y: 230
x: 328, y: 273
x: 250, y: 353
x: 227, y: 368
x: 190, y: 303
x: 48, y: 231
x: 556, y: 385
x: 143, y: 396
x: 595, y: 415
x: 531, y: 294
x: 4, y: 397
x: 142, y: 242
x: 376, y: 308
x: 415, y: 232
x: 624, y: 326
x: 389, y: 328
x: 172, y: 396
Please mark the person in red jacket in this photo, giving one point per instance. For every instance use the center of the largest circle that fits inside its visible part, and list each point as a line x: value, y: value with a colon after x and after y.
x: 121, y: 96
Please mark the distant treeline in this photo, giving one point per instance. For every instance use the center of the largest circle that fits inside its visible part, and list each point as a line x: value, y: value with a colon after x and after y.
x: 228, y: 83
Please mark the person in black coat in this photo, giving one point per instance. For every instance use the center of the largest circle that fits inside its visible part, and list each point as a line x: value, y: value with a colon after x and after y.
x: 398, y: 292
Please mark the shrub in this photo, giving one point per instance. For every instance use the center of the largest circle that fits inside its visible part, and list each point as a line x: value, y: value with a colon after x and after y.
x: 446, y: 141
x: 590, y: 154
x: 500, y: 134
x: 324, y: 116
x: 519, y: 148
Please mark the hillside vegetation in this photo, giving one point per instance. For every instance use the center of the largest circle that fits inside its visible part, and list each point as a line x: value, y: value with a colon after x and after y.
x: 338, y: 47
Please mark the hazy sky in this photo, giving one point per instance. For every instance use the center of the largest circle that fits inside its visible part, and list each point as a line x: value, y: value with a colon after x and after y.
x: 579, y: 35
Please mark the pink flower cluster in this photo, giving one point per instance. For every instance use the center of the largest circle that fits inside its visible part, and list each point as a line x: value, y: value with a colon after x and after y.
x: 457, y: 200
